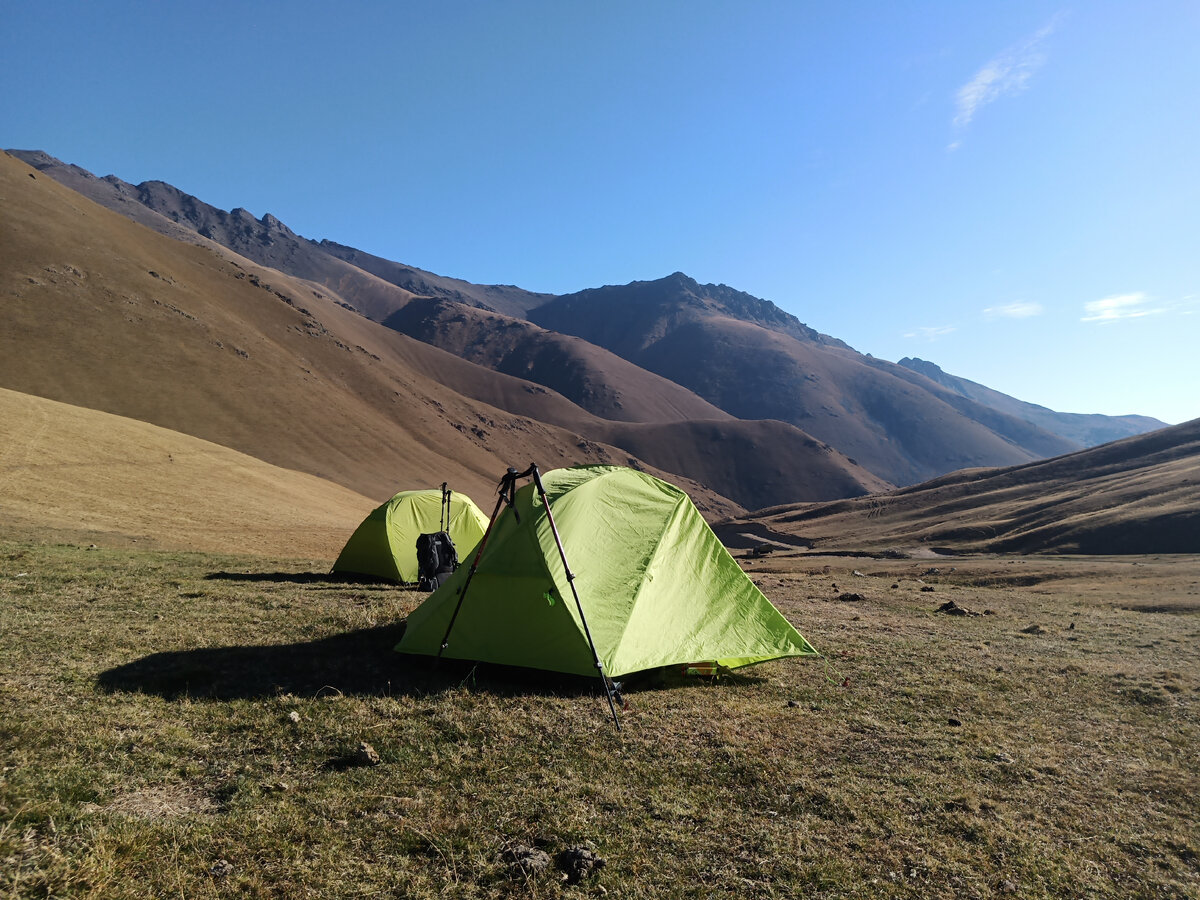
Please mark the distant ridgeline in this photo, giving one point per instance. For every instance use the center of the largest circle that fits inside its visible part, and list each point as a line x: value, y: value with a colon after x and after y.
x: 701, y: 382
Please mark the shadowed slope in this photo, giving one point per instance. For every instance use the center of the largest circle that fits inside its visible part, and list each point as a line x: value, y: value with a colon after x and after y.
x: 590, y: 376
x: 755, y: 361
x: 756, y: 462
x: 1137, y: 495
x: 503, y: 298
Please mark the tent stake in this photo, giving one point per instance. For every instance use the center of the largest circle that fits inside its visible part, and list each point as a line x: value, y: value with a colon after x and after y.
x: 608, y: 687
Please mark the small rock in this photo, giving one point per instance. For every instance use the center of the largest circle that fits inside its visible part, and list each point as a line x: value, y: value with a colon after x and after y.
x: 954, y: 723
x: 294, y: 717
x: 849, y: 597
x: 1033, y: 629
x: 858, y: 574
x: 578, y: 863
x: 927, y: 589
x: 1002, y: 757
x: 895, y: 584
x: 222, y: 868
x: 365, y: 755
x: 527, y: 860
x: 793, y: 703
x: 1008, y: 887
x: 951, y: 608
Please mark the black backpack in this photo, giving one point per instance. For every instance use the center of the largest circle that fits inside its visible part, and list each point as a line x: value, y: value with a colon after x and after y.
x: 436, y: 560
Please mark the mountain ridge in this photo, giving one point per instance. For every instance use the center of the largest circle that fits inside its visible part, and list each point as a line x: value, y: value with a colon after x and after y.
x: 722, y: 353
x: 901, y: 428
x: 1085, y: 429
x: 108, y: 315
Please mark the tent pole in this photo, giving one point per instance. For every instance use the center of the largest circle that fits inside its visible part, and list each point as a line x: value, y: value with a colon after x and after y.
x: 507, y: 492
x: 608, y: 687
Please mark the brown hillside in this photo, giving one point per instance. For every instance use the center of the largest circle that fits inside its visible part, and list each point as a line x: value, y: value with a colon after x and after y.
x: 759, y: 462
x: 77, y: 474
x: 756, y: 362
x: 1137, y: 495
x: 594, y: 378
x: 102, y: 313
x: 503, y: 298
x: 752, y: 463
x: 266, y: 241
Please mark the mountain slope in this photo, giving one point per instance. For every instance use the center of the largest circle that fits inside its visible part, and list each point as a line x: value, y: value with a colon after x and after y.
x: 759, y: 462
x: 374, y: 286
x: 644, y: 395
x: 77, y: 474
x: 752, y: 360
x: 755, y: 464
x: 594, y: 378
x: 502, y: 298
x: 1086, y: 430
x: 1136, y: 495
x: 691, y: 352
x: 106, y: 314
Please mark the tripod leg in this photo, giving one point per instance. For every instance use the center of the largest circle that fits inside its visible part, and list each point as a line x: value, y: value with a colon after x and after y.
x: 608, y: 686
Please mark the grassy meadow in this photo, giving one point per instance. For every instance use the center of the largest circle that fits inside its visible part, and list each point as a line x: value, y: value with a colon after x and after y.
x: 185, y: 725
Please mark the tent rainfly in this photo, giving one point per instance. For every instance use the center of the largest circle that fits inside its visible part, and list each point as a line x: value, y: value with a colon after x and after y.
x: 385, y: 544
x: 656, y: 586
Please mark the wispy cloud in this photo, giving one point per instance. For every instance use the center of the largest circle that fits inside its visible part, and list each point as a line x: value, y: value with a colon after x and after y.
x: 1003, y: 75
x: 1020, y: 310
x: 928, y: 333
x: 1121, y: 306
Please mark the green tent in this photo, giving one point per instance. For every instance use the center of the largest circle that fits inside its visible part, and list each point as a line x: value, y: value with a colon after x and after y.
x: 656, y: 586
x: 385, y: 544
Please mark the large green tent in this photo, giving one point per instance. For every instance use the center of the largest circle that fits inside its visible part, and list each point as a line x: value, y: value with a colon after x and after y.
x: 385, y: 544
x: 656, y: 586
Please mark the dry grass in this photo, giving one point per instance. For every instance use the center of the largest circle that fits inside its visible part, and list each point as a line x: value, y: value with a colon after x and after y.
x: 81, y: 472
x: 149, y: 746
x: 1137, y: 495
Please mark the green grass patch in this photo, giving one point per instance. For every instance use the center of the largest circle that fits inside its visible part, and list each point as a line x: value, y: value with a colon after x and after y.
x: 185, y: 725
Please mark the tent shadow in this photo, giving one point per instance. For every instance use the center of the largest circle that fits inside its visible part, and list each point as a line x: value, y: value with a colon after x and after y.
x: 357, y: 663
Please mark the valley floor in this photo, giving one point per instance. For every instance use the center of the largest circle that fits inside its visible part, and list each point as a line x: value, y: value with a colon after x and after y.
x: 186, y: 725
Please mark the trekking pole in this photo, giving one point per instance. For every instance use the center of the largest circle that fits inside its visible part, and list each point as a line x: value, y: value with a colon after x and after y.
x: 507, y: 495
x: 445, y: 507
x: 608, y: 687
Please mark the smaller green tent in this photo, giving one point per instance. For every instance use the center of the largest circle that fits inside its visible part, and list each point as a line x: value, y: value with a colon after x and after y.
x: 385, y: 544
x: 656, y: 585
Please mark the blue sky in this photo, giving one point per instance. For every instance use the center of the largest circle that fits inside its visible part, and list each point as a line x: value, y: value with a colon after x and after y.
x: 1010, y: 190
